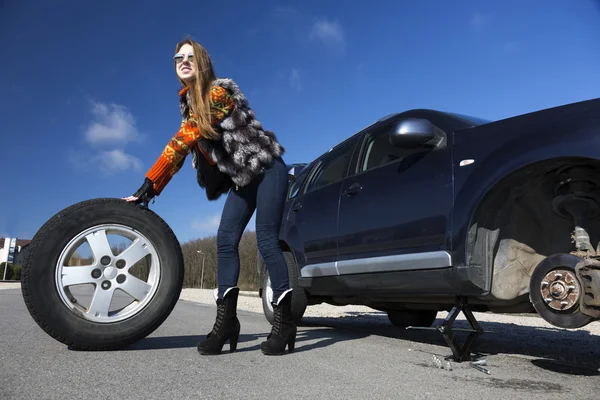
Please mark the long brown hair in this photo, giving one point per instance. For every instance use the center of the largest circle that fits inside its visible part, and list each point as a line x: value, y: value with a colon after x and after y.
x: 204, y: 75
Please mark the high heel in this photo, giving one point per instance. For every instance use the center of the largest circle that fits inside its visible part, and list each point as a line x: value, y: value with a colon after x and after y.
x: 292, y: 342
x: 233, y: 340
x: 226, y: 327
x: 283, y: 332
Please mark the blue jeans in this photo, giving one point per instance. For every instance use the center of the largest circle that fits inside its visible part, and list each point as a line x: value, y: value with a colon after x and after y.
x: 266, y: 194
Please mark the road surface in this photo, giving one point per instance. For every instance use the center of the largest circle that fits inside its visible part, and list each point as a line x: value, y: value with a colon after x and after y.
x: 335, y: 358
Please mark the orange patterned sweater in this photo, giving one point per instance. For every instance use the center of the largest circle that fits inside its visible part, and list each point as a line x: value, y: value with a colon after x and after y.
x: 174, y: 154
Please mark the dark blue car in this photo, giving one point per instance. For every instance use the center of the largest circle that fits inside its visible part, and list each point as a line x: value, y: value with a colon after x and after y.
x: 426, y: 211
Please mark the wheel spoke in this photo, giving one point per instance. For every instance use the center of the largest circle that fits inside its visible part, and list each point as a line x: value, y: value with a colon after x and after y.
x: 77, y: 275
x: 101, y: 302
x: 135, y: 287
x: 99, y: 244
x: 134, y: 253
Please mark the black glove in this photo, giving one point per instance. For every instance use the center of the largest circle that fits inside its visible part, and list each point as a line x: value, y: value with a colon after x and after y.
x: 146, y: 192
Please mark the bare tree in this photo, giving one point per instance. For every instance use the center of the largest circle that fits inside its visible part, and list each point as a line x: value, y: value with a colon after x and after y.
x: 247, y: 251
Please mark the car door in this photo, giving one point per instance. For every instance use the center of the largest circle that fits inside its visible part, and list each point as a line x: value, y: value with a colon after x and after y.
x: 395, y: 208
x: 312, y: 219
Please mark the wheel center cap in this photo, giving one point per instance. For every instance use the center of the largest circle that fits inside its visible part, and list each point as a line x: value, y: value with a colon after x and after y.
x: 110, y: 272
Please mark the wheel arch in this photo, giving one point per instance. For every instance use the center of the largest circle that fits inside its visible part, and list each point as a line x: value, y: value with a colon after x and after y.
x: 484, y: 231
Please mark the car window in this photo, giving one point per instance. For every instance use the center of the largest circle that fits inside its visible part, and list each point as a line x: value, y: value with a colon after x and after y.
x: 378, y: 151
x: 297, y: 184
x: 332, y: 168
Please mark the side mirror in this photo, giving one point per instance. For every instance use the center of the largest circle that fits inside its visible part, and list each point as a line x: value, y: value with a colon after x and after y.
x: 413, y: 133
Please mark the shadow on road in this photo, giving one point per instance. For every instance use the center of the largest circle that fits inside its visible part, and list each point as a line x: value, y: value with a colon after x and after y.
x: 575, y: 352
x: 180, y: 342
x: 306, y: 339
x: 323, y: 338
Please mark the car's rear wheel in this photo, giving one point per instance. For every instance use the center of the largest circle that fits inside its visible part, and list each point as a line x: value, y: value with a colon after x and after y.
x: 555, y: 292
x: 299, y: 298
x: 403, y: 318
x: 102, y: 274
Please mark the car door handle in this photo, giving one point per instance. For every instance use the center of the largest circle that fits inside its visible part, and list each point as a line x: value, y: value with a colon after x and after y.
x: 353, y: 189
x: 296, y: 208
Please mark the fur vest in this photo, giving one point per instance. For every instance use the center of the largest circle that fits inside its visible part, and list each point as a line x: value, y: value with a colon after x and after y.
x: 242, y: 151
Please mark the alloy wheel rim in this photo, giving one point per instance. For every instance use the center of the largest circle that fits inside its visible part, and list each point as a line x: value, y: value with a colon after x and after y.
x: 108, y: 273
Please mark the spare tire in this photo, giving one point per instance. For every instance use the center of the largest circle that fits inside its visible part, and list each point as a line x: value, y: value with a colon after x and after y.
x: 129, y: 293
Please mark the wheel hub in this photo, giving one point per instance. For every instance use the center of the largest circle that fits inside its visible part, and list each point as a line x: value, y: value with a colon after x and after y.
x: 110, y: 272
x: 560, y: 290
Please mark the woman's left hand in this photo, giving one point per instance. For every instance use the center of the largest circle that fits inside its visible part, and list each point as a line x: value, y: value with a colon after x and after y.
x: 131, y: 199
x: 144, y: 194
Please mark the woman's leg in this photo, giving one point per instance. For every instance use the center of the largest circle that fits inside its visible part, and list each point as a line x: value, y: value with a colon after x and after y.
x: 270, y: 201
x: 238, y: 210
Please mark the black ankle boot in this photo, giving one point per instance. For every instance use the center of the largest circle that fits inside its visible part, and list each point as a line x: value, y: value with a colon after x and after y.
x: 226, y: 327
x: 284, y: 329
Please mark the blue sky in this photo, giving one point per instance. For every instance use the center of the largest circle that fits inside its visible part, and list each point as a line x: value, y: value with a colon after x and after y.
x: 89, y: 95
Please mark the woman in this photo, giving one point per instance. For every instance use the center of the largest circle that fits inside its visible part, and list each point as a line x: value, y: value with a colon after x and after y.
x: 234, y: 155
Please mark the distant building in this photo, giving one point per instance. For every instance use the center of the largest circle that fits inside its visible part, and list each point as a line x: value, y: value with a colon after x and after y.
x: 12, y: 250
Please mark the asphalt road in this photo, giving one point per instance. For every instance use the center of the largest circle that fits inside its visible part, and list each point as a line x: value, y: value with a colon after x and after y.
x: 342, y: 358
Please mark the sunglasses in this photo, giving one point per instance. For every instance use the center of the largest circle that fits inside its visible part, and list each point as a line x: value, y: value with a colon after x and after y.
x: 179, y: 57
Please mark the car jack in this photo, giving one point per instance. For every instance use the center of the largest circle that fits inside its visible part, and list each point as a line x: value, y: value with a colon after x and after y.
x: 459, y: 353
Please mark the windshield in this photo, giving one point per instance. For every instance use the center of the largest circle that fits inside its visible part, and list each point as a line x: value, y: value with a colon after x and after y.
x: 470, y: 119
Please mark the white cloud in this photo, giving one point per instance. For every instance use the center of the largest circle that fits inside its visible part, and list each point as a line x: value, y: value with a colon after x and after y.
x: 113, y: 124
x: 207, y: 225
x: 329, y: 33
x: 113, y: 161
x: 111, y: 129
x: 293, y: 25
x: 295, y: 79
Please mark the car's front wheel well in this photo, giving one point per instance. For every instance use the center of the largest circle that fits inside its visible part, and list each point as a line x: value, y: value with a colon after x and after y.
x: 530, y: 215
x: 284, y: 246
